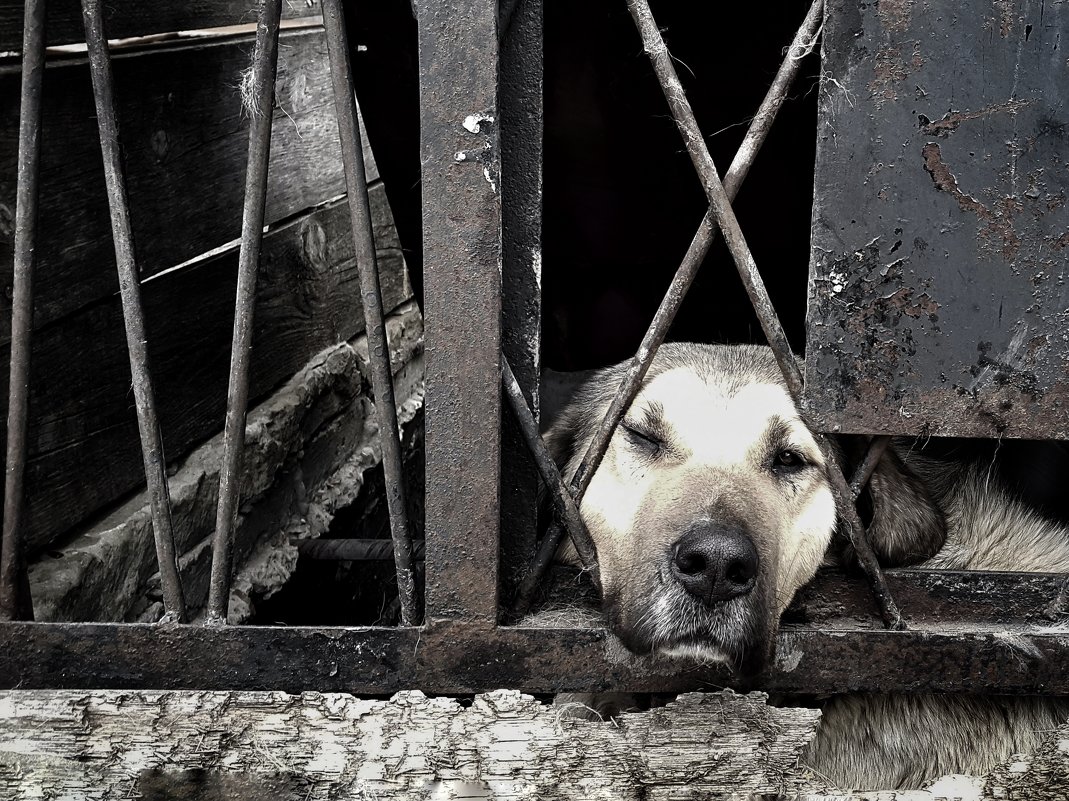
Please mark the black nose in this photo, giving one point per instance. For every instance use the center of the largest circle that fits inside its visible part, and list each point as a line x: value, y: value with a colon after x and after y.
x: 715, y: 563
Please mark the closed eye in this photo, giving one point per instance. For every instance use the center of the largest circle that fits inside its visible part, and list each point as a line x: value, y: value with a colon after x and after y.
x: 642, y: 438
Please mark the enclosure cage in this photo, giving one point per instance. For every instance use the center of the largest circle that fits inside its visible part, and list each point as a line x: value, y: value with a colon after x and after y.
x: 886, y: 346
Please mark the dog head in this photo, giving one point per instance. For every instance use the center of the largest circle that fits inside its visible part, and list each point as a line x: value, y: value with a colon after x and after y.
x: 711, y: 507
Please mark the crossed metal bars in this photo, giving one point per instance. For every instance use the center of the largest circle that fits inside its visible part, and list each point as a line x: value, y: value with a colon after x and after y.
x: 15, y: 602
x: 14, y: 597
x: 720, y: 216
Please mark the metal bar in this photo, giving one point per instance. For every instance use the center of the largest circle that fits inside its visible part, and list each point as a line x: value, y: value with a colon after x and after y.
x: 355, y: 550
x: 14, y: 603
x: 998, y: 645
x: 687, y: 124
x: 262, y: 99
x: 562, y: 499
x: 371, y: 293
x: 666, y: 313
x: 133, y: 315
x: 520, y: 105
x: 461, y: 173
x: 696, y: 252
x: 864, y: 471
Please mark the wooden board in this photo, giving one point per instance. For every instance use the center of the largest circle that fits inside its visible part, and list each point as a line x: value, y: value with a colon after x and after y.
x: 84, y: 448
x: 126, y: 18
x: 185, y: 142
x: 217, y: 745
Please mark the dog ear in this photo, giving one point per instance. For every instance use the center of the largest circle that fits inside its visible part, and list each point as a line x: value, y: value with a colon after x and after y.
x: 905, y: 526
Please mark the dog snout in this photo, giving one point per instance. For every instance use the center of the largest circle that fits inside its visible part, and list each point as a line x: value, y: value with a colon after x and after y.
x: 715, y: 563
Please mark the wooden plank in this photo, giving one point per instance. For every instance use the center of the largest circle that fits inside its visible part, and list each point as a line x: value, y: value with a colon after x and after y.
x: 83, y: 443
x: 185, y: 141
x: 127, y: 18
x: 111, y: 745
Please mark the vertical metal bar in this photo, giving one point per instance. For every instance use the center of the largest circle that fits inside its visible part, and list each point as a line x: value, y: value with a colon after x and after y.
x: 130, y: 290
x: 562, y: 499
x: 461, y: 168
x: 378, y: 348
x: 755, y: 288
x: 15, y: 604
x: 520, y: 99
x: 262, y: 97
x: 673, y: 298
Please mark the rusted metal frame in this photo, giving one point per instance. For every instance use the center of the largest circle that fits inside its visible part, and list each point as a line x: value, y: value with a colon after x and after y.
x: 15, y: 600
x: 563, y: 501
x: 355, y: 550
x: 673, y: 298
x: 261, y: 105
x: 133, y: 315
x: 977, y: 657
x: 462, y: 248
x: 683, y: 115
x: 371, y: 296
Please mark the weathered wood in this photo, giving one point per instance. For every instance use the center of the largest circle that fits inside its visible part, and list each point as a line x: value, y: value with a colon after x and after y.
x: 1043, y: 774
x: 185, y: 143
x: 127, y: 18
x: 83, y: 445
x: 111, y: 745
x: 307, y: 448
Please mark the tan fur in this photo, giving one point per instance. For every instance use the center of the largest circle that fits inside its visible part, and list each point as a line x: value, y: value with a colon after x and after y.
x: 718, y: 405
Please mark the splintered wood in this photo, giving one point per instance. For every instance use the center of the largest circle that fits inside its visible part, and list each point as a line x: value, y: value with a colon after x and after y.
x: 258, y: 745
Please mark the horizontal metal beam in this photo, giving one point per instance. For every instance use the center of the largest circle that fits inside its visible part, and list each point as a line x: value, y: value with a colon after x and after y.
x: 996, y: 643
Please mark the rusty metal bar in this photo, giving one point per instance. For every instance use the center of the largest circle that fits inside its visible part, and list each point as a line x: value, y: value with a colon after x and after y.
x: 563, y: 501
x: 999, y: 644
x: 371, y: 294
x: 654, y: 45
x: 520, y: 103
x: 877, y: 446
x: 262, y: 99
x: 462, y: 259
x: 666, y: 313
x: 133, y: 315
x: 354, y: 550
x: 15, y: 601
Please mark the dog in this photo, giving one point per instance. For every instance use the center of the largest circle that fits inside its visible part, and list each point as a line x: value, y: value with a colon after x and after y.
x: 712, y: 507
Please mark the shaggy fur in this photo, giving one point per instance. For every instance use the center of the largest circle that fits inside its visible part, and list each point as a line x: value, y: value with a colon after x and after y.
x: 719, y: 416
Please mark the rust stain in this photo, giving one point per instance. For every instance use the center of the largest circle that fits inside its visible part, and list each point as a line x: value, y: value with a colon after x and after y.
x: 1005, y: 19
x: 890, y: 69
x: 998, y: 227
x: 895, y: 15
x: 951, y: 120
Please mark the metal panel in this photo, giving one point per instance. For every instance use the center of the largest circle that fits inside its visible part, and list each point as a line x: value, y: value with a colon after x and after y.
x: 938, y: 300
x: 832, y: 643
x: 459, y: 122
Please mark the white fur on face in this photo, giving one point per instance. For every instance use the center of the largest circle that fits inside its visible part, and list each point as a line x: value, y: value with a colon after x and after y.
x: 711, y: 428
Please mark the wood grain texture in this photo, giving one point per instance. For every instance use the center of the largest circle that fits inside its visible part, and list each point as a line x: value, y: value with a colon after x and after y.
x: 83, y: 445
x: 185, y: 143
x: 206, y: 745
x: 127, y: 18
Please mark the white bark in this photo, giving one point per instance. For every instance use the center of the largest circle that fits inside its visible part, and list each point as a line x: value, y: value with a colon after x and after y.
x: 251, y: 745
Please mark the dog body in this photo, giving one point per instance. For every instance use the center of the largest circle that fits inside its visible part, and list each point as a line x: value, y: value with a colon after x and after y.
x: 712, y: 507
